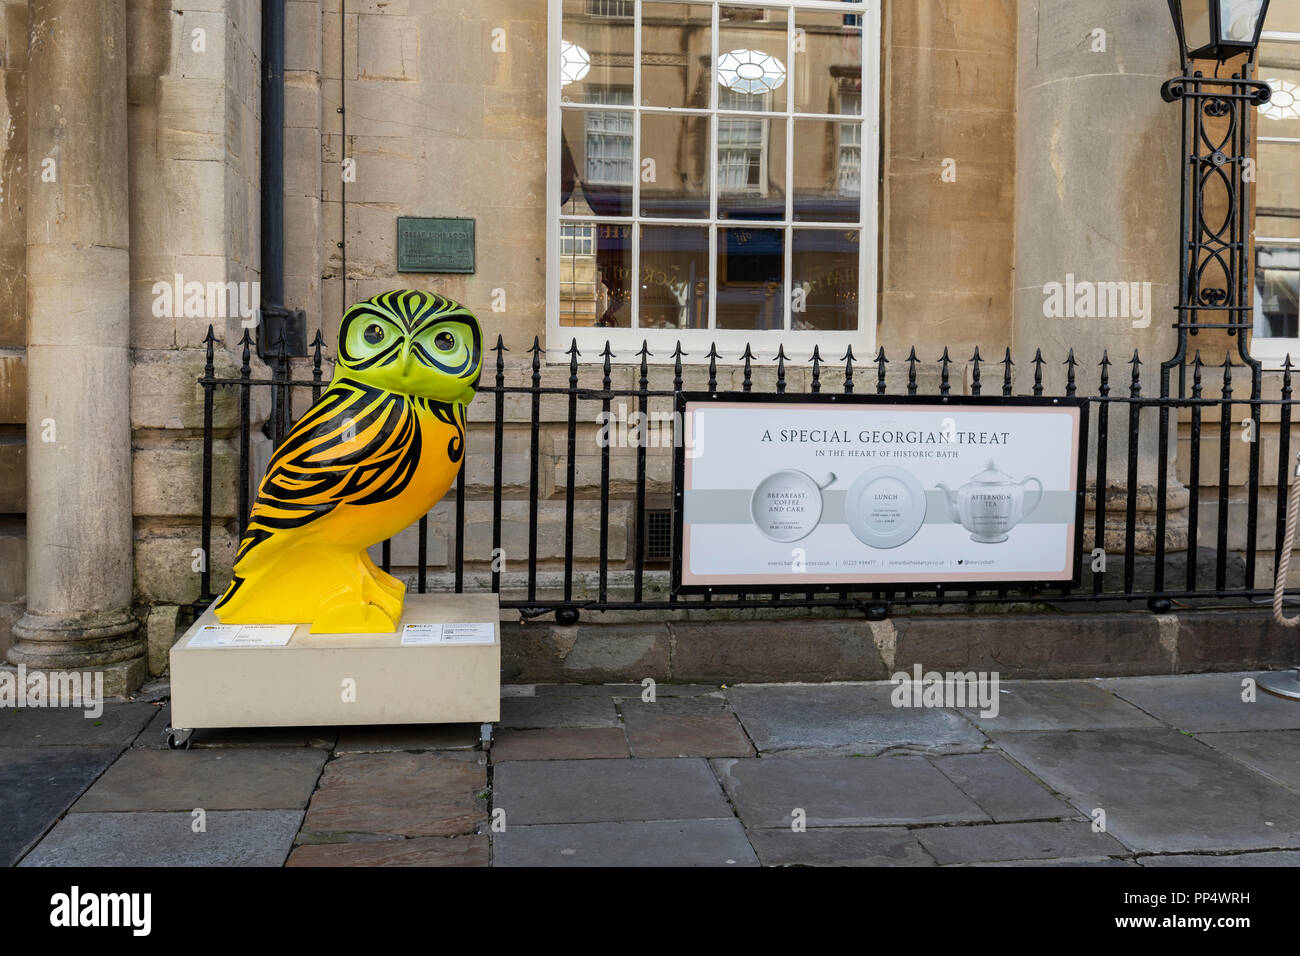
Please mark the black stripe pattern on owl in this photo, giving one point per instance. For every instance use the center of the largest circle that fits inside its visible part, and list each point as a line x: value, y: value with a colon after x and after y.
x: 408, y: 363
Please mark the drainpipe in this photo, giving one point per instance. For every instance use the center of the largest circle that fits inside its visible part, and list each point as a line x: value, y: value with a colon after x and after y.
x: 276, y: 319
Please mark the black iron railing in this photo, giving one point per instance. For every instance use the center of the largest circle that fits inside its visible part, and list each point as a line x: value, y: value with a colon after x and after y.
x: 557, y: 582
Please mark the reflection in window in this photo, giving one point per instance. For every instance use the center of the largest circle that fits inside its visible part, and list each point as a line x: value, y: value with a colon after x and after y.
x: 687, y: 200
x: 1277, y: 195
x: 1277, y: 287
x: 609, y: 140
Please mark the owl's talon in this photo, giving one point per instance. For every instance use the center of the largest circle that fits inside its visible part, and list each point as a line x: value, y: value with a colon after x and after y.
x: 353, y: 617
x: 385, y: 580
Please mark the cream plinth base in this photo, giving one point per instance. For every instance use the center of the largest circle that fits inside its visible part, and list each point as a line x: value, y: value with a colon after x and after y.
x: 340, y: 679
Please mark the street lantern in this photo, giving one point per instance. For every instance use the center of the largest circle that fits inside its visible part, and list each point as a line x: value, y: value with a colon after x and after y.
x: 1217, y: 29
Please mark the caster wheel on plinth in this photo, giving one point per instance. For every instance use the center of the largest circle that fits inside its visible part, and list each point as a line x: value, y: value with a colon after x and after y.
x: 178, y: 738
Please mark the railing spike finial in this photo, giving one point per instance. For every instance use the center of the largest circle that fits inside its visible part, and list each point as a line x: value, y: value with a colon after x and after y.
x: 1070, y: 364
x: 944, y: 362
x: 1197, y: 365
x: 713, y: 357
x: 1038, y: 371
x: 501, y: 345
x: 1006, y: 372
x: 573, y: 352
x: 780, y: 369
x: 881, y: 362
x: 211, y: 336
x: 748, y: 382
x: 816, y: 385
x: 848, y: 370
x: 677, y: 366
x: 608, y: 353
x: 975, y: 372
x: 911, y: 370
x: 1135, y: 383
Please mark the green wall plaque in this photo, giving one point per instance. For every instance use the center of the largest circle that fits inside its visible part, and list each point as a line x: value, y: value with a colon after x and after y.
x: 435, y: 245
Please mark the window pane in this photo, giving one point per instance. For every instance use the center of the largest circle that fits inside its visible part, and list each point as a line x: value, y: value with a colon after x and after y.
x: 597, y: 164
x: 596, y: 51
x: 676, y: 45
x: 1277, y: 281
x: 675, y: 182
x: 751, y: 168
x: 752, y: 54
x: 825, y: 284
x: 828, y: 70
x: 595, y: 279
x: 751, y: 263
x: 827, y: 171
x: 1280, y: 68
x: 674, y: 277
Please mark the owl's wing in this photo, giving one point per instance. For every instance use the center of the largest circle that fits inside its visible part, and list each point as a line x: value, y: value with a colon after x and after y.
x: 358, y: 445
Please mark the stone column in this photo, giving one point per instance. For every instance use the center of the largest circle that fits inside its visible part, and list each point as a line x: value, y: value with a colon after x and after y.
x: 79, y: 528
x: 1098, y: 156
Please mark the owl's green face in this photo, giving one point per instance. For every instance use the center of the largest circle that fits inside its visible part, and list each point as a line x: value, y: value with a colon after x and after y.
x: 415, y: 343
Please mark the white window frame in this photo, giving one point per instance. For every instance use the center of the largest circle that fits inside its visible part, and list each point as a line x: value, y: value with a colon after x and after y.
x: 730, y: 343
x: 1272, y: 352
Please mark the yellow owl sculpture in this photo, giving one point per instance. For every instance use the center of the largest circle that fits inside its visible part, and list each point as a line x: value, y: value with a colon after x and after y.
x: 379, y: 448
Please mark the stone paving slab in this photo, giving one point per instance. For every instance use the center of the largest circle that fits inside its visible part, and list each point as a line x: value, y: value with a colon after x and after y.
x: 356, y: 740
x: 844, y: 791
x: 439, y: 793
x: 1004, y: 842
x: 581, y: 743
x: 1001, y: 789
x: 683, y: 727
x: 663, y: 843
x: 1288, y: 858
x: 1274, y: 753
x: 554, y: 710
x: 421, y: 851
x: 230, y: 838
x: 37, y: 784
x: 223, y: 779
x: 607, y: 791
x: 846, y: 718
x: 1059, y: 705
x: 1202, y: 703
x: 1161, y: 790
x: 1106, y: 861
x: 116, y: 727
x: 839, y: 846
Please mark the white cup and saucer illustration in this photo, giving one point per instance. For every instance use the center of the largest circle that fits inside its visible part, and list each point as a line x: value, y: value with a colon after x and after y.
x: 787, y: 505
x: 992, y: 503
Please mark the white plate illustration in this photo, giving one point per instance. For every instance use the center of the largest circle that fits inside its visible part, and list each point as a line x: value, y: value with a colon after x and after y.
x: 787, y: 505
x: 885, y: 507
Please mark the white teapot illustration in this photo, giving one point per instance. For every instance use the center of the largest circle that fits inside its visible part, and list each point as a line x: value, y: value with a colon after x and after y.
x: 991, y: 504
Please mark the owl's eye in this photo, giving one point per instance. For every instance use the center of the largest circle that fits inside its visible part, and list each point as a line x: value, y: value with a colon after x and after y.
x: 374, y: 334
x: 444, y: 342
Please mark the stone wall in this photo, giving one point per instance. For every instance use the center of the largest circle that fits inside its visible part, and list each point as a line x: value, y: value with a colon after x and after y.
x: 13, y: 314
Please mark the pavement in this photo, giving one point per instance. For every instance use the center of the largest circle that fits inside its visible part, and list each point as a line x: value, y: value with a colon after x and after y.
x: 1137, y: 771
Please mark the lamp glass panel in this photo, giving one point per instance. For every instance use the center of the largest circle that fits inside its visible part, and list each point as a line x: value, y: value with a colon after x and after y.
x: 1238, y: 20
x: 1197, y: 30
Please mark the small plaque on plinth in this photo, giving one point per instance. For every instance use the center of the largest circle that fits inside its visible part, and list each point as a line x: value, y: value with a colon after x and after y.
x: 445, y: 634
x: 242, y: 635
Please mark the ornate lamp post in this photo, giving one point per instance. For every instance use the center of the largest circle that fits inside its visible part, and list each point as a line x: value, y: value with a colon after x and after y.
x: 1214, y: 275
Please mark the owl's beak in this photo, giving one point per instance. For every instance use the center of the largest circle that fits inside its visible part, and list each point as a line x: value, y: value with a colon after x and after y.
x: 408, y: 359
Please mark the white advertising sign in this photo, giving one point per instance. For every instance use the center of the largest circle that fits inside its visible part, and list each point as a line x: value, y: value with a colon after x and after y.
x: 832, y: 491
